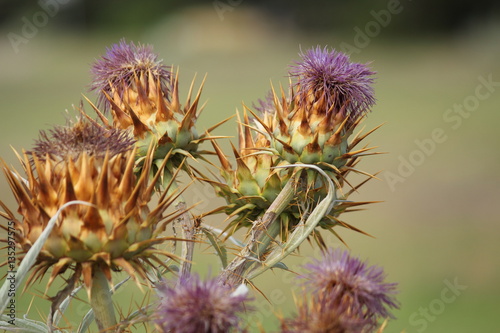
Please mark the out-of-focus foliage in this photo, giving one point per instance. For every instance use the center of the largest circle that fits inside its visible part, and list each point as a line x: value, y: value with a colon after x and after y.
x: 425, y: 16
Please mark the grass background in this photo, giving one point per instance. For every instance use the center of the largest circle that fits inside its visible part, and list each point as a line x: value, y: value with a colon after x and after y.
x: 439, y: 224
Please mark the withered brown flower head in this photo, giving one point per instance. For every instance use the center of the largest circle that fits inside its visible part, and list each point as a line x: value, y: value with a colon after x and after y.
x: 115, y: 230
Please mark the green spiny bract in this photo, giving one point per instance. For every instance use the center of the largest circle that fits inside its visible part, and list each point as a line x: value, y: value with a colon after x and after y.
x: 252, y: 186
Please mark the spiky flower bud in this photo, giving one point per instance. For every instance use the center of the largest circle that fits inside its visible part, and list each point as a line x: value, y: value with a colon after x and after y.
x: 310, y: 125
x: 345, y: 292
x: 328, y: 99
x: 196, y: 306
x: 143, y: 97
x: 116, y: 230
x: 252, y: 185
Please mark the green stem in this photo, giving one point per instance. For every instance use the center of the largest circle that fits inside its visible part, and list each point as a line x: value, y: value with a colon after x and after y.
x: 101, y: 302
x: 188, y: 233
x: 302, y: 230
x: 263, y: 232
x: 187, y: 224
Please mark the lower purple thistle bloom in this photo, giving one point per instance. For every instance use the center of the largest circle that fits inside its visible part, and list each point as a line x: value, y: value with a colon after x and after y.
x: 350, y: 286
x: 319, y: 315
x: 196, y: 306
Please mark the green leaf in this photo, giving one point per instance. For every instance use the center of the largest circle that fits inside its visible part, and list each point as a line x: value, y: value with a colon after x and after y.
x: 23, y: 325
x: 30, y: 258
x: 280, y: 265
x: 216, y: 243
x: 303, y: 229
x: 64, y: 305
x: 233, y: 239
x: 173, y: 268
x: 87, y: 320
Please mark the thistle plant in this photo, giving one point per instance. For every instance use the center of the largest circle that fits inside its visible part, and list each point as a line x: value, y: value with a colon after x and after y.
x: 303, y: 138
x: 100, y: 195
x: 311, y: 126
x: 328, y: 98
x: 251, y: 186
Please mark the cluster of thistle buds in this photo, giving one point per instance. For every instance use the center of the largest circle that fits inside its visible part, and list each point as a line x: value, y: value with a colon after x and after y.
x: 101, y: 195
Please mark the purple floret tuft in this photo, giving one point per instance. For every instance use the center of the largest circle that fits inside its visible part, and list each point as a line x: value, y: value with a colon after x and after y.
x: 121, y: 64
x: 196, y: 306
x: 265, y: 105
x: 351, y: 285
x: 330, y: 75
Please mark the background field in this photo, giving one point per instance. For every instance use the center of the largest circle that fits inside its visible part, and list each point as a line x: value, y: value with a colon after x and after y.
x: 438, y: 223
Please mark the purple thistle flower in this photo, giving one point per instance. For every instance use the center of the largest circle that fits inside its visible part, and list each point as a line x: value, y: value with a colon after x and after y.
x: 119, y: 67
x: 70, y: 141
x: 331, y: 79
x: 319, y: 315
x: 351, y: 286
x: 196, y: 306
x: 265, y: 105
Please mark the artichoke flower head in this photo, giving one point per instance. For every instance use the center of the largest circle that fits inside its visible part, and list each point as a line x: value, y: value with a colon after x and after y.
x: 327, y: 98
x: 143, y: 97
x: 252, y: 185
x: 115, y: 230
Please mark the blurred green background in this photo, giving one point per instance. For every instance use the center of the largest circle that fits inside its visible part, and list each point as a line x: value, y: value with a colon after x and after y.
x: 437, y: 226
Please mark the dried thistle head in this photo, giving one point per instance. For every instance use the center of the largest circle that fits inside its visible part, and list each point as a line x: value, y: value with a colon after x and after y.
x: 197, y: 306
x: 115, y: 230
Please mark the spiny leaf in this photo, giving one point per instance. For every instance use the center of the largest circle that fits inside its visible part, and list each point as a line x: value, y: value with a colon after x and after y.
x: 23, y: 325
x: 218, y: 246
x: 303, y: 229
x: 280, y: 265
x: 32, y: 255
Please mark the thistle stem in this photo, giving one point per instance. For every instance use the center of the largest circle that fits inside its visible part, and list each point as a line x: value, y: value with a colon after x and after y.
x: 263, y: 232
x: 302, y: 230
x: 188, y: 232
x: 187, y: 224
x: 101, y: 302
